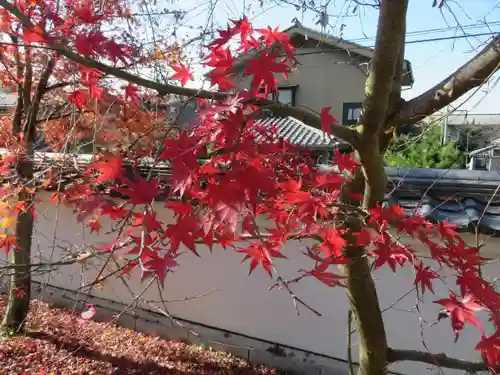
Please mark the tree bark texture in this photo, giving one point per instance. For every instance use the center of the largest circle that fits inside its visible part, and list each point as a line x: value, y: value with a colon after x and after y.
x: 20, y: 282
x: 382, y: 83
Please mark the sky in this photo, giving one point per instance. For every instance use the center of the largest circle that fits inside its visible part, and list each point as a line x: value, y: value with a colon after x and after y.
x: 432, y: 61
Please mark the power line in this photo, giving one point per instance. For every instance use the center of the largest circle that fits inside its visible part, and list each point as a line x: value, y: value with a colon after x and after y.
x: 407, y: 42
x: 439, y: 30
x: 453, y: 37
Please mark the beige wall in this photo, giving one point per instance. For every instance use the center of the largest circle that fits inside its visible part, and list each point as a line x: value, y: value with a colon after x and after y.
x: 325, y: 79
x: 241, y: 303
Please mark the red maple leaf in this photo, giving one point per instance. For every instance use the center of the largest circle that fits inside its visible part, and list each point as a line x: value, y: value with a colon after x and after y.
x: 78, y: 98
x: 182, y: 73
x: 447, y: 230
x: 345, y: 161
x: 182, y: 232
x: 90, y: 78
x: 109, y: 167
x: 139, y: 191
x: 271, y: 36
x: 224, y: 37
x: 221, y: 79
x: 35, y: 34
x: 159, y: 266
x: 328, y: 278
x: 327, y: 120
x: 220, y: 58
x: 461, y: 310
x: 390, y: 253
x: 242, y: 27
x: 261, y: 253
x: 89, y: 44
x: 117, y: 51
x: 84, y: 10
x: 113, y: 211
x: 148, y: 220
x: 263, y: 70
x: 91, y: 205
x: 333, y: 243
x: 424, y: 276
x: 94, y: 225
x: 490, y: 348
x: 249, y: 43
x: 132, y: 92
x: 143, y: 245
x: 293, y: 193
x: 179, y: 208
x: 363, y: 237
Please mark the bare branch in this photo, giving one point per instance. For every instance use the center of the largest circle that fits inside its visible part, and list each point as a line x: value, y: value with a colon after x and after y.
x: 472, y: 74
x: 77, y: 258
x: 397, y: 355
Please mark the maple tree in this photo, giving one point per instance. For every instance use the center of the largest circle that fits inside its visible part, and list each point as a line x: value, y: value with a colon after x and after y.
x: 220, y: 201
x: 62, y: 103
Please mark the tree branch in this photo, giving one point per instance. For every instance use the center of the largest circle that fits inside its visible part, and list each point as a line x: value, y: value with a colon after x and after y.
x: 472, y: 74
x: 31, y: 121
x: 442, y: 360
x: 379, y: 85
x: 279, y: 109
x: 18, y: 113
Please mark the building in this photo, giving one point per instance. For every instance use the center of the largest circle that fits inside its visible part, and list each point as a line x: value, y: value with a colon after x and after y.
x: 472, y: 131
x: 292, y: 130
x: 331, y: 72
x: 485, y: 158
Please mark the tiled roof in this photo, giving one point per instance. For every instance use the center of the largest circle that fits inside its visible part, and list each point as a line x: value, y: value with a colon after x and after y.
x: 468, y: 199
x: 484, y: 150
x: 491, y: 119
x: 298, y: 133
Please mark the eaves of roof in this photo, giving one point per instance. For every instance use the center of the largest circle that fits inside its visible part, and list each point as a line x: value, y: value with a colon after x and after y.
x: 468, y: 199
x: 331, y: 40
x: 298, y: 133
x: 484, y: 149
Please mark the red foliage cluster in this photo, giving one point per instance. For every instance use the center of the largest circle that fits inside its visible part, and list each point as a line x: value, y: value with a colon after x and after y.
x: 247, y: 177
x: 222, y: 200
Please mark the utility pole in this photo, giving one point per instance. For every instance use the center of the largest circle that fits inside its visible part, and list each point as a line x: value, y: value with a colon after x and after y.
x: 445, y: 125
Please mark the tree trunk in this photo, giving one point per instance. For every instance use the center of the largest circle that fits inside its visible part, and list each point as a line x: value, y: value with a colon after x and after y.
x: 382, y: 92
x: 20, y: 281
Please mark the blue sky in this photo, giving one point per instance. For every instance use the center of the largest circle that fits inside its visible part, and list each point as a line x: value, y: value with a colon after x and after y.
x: 432, y: 61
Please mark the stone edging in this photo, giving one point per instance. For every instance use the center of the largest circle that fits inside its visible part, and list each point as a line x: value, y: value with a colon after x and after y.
x: 290, y: 360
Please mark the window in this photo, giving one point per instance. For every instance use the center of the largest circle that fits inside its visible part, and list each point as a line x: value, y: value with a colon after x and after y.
x: 351, y: 113
x: 479, y: 163
x: 286, y: 95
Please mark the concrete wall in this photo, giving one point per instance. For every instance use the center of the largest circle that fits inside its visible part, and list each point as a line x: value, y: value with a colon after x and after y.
x: 230, y: 300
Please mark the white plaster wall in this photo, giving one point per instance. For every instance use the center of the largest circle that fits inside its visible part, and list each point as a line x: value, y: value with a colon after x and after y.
x: 243, y: 303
